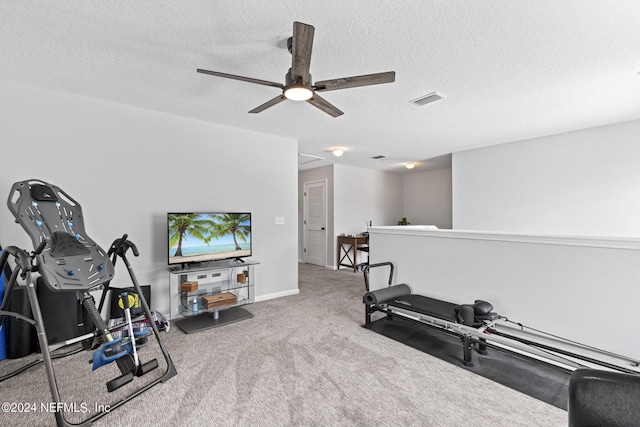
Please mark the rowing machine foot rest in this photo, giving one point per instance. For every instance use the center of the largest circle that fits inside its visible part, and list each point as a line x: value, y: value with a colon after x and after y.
x: 146, y: 367
x: 385, y: 294
x: 110, y: 351
x: 118, y: 382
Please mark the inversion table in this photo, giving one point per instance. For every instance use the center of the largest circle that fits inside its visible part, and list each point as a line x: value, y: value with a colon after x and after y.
x: 67, y: 259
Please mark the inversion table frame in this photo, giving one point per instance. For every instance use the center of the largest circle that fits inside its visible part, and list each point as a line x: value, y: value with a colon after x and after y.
x: 484, y: 330
x: 68, y: 260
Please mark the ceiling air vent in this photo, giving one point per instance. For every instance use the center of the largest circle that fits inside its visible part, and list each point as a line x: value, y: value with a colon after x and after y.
x: 428, y: 99
x: 378, y: 157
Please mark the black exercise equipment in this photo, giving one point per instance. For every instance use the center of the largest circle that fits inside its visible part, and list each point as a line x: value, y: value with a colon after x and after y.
x: 68, y: 262
x: 603, y: 398
x: 478, y: 327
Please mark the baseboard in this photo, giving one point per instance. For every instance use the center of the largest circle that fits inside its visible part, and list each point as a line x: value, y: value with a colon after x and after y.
x: 277, y: 295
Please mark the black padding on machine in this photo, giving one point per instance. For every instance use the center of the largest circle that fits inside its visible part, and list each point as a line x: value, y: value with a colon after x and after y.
x: 603, y: 398
x: 385, y: 294
x: 43, y: 193
x: 480, y: 308
x: 428, y: 306
x: 64, y: 245
x: 400, y: 296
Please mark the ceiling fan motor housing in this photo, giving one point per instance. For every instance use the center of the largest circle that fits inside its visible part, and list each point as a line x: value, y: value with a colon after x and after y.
x: 289, y: 80
x: 290, y: 44
x: 297, y: 90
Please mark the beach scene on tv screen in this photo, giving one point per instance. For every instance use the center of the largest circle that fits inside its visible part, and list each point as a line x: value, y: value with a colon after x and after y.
x: 199, y: 237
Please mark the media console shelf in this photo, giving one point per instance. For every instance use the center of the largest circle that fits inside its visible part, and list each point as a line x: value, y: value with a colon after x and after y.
x: 222, y: 288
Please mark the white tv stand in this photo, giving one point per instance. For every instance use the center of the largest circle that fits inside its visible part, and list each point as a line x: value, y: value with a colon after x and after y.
x: 216, y: 278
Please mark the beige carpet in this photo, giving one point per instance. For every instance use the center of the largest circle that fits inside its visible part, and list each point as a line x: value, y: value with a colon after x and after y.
x: 303, y: 360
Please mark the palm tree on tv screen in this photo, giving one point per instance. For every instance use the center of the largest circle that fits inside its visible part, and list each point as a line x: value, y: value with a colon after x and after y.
x: 238, y: 225
x: 182, y: 224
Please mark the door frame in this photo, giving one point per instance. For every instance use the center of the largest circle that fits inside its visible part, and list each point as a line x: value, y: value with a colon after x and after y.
x: 305, y: 186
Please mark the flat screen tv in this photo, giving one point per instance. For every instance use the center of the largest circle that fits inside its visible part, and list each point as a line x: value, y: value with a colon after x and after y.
x: 208, y: 236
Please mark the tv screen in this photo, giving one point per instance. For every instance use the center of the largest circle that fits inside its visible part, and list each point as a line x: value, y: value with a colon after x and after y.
x: 208, y: 236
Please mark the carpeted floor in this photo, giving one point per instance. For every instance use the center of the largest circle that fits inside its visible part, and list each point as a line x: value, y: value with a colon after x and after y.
x: 302, y: 360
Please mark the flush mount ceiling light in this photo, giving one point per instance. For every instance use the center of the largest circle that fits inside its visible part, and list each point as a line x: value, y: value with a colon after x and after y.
x: 337, y: 152
x: 410, y: 165
x: 428, y: 99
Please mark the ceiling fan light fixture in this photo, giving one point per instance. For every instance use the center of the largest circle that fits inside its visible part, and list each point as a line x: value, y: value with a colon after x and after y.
x: 298, y: 92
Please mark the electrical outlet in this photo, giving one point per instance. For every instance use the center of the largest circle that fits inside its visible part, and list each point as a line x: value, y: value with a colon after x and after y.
x: 279, y: 220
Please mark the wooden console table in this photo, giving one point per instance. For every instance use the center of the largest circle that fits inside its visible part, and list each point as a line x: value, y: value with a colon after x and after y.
x: 347, y: 244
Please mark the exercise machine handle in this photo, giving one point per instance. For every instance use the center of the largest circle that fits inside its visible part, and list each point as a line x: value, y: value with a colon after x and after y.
x: 122, y: 245
x: 380, y: 264
x: 40, y: 247
x: 23, y: 262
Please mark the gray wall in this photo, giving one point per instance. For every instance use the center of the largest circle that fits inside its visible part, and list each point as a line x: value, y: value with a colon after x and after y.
x: 427, y: 198
x: 128, y: 167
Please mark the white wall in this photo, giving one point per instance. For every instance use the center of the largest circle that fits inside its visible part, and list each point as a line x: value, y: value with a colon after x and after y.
x: 427, y: 197
x: 128, y: 167
x: 585, y: 182
x: 363, y: 195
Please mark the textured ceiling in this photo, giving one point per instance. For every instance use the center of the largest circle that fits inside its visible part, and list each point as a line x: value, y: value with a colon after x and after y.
x: 509, y: 70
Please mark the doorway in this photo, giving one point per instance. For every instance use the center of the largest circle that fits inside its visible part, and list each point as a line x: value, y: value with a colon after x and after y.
x: 315, y: 223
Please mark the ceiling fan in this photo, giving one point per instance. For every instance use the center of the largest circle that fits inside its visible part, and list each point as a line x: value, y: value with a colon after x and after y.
x: 298, y: 86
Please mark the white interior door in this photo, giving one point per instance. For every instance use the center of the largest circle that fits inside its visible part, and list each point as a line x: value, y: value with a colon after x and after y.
x: 315, y: 223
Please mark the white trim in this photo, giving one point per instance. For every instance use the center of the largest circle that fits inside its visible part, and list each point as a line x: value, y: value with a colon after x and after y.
x: 631, y: 243
x: 305, y: 188
x: 277, y: 295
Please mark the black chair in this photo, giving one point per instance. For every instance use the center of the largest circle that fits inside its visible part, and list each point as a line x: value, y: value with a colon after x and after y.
x: 604, y: 398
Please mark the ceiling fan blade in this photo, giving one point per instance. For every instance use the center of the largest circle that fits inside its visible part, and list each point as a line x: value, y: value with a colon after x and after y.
x: 244, y: 79
x: 271, y: 103
x: 355, y: 81
x: 301, y: 51
x: 325, y: 106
